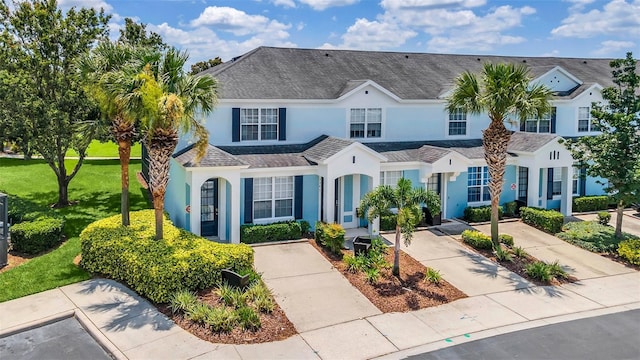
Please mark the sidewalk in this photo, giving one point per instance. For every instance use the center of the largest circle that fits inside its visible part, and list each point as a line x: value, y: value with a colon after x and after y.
x: 313, y: 294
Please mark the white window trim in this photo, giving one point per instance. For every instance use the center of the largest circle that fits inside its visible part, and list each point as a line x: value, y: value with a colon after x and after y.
x: 537, y: 120
x: 557, y: 172
x: 365, y: 138
x: 273, y: 219
x: 468, y: 127
x: 259, y: 140
x: 481, y: 202
x: 385, y: 174
x: 590, y: 131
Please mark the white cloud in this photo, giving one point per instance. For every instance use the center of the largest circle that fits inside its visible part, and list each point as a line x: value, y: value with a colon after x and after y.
x: 237, y: 22
x: 552, y: 53
x: 617, y: 18
x: 300, y: 26
x: 612, y: 47
x: 284, y: 3
x: 429, y: 4
x: 374, y: 35
x: 578, y: 5
x: 325, y: 4
x: 203, y: 43
x: 96, y: 4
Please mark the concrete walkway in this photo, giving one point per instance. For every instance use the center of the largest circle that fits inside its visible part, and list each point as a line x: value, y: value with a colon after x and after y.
x: 314, y: 297
x: 576, y: 261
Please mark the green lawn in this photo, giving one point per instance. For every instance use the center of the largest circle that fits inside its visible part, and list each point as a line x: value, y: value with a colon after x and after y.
x: 96, y: 188
x: 108, y: 149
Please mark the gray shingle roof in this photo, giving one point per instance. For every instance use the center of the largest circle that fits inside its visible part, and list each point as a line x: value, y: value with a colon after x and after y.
x: 214, y: 157
x: 323, y: 147
x: 326, y: 148
x: 287, y: 73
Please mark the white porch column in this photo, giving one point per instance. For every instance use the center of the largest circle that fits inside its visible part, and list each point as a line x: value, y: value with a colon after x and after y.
x: 234, y: 234
x: 545, y: 182
x: 222, y: 209
x: 196, y: 183
x: 374, y: 227
x: 533, y: 187
x: 329, y: 199
x: 567, y: 191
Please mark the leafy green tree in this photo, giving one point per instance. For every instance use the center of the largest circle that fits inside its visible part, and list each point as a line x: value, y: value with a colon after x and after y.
x: 502, y: 91
x: 168, y: 101
x: 614, y: 154
x: 109, y: 74
x: 201, y: 66
x: 53, y: 106
x: 407, y: 200
x: 135, y: 34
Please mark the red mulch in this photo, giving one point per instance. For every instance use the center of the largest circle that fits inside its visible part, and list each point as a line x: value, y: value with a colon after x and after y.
x: 16, y: 259
x: 392, y: 294
x: 274, y: 327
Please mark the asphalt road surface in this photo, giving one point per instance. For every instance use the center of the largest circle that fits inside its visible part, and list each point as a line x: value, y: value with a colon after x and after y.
x: 65, y: 339
x: 607, y: 337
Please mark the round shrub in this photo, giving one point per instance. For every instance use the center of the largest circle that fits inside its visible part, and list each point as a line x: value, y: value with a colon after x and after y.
x: 477, y: 239
x: 604, y: 217
x: 506, y: 239
x: 32, y: 237
x: 157, y: 268
x: 630, y: 250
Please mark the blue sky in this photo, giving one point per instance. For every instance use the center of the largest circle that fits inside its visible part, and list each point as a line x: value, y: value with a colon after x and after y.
x: 227, y: 28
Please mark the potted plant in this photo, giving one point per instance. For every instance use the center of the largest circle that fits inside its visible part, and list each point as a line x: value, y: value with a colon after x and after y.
x: 432, y: 211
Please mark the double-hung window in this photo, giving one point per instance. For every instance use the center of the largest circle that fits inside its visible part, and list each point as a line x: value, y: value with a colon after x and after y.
x: 585, y: 122
x: 458, y: 122
x: 390, y: 178
x: 575, y: 182
x: 259, y: 124
x: 538, y: 125
x: 557, y: 181
x: 273, y: 197
x: 477, y: 184
x: 365, y: 123
x: 433, y: 183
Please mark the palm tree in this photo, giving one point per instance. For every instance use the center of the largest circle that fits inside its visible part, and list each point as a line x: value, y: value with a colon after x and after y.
x: 407, y: 200
x: 503, y: 91
x: 167, y: 101
x: 107, y: 72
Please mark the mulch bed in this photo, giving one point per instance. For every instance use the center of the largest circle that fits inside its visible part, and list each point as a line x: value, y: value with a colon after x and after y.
x: 16, y: 259
x: 275, y: 326
x: 392, y: 294
x: 518, y: 266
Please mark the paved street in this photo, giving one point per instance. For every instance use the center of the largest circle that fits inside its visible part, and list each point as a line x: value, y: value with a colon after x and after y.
x: 614, y: 336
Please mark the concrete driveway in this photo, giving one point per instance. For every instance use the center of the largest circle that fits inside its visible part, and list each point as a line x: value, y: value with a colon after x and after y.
x: 311, y: 292
x: 630, y: 221
x: 578, y: 262
x: 463, y: 268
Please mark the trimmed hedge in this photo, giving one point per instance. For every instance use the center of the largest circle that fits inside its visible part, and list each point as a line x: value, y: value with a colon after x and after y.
x: 157, y: 268
x: 510, y: 208
x: 630, y: 250
x: 32, y: 237
x: 253, y: 234
x: 506, y: 239
x: 477, y: 239
x: 546, y: 220
x: 590, y: 203
x: 604, y: 217
x: 330, y: 236
x: 24, y: 210
x: 480, y: 213
x: 388, y: 222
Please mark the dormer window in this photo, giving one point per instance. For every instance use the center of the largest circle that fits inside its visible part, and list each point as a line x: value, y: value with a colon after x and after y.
x: 365, y: 123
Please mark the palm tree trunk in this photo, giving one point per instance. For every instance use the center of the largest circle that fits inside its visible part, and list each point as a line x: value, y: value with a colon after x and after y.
x: 620, y: 214
x: 396, y: 254
x: 495, y: 140
x: 123, y: 132
x: 161, y: 146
